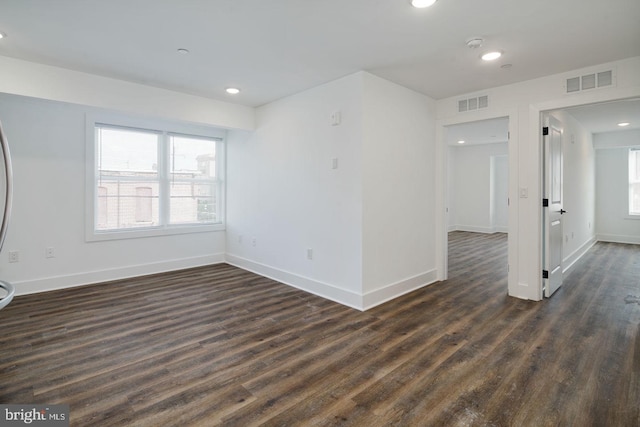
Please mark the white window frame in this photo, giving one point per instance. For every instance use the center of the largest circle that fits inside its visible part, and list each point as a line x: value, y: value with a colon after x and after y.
x: 631, y: 215
x: 166, y: 128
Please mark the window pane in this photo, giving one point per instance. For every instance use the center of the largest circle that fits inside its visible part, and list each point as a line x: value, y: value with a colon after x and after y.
x: 124, y: 204
x: 103, y: 207
x: 634, y: 199
x: 634, y: 165
x: 192, y: 202
x: 634, y: 182
x: 144, y: 196
x: 192, y: 157
x: 127, y: 152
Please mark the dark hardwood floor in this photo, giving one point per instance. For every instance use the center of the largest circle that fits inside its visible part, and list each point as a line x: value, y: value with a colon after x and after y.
x: 221, y: 346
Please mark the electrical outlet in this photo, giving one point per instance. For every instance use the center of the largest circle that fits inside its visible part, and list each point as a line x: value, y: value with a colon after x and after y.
x: 240, y: 239
x: 254, y: 242
x: 14, y: 256
x: 309, y: 253
x: 49, y: 252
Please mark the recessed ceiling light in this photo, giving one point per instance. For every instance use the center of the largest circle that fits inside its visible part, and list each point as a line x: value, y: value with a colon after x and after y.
x: 183, y: 51
x: 422, y: 3
x: 2, y: 35
x: 491, y: 56
x: 623, y: 124
x: 233, y: 90
x: 461, y: 142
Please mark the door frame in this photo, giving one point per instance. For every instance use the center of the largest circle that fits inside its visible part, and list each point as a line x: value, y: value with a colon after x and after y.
x: 525, y: 246
x: 442, y: 187
x: 536, y: 123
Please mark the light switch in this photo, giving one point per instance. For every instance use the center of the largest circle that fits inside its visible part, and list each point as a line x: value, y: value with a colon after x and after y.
x: 336, y: 118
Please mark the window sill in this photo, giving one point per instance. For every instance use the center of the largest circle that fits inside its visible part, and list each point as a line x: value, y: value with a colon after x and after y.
x: 99, y: 236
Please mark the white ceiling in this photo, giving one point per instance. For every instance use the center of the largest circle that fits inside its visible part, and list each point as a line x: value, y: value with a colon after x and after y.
x: 274, y: 48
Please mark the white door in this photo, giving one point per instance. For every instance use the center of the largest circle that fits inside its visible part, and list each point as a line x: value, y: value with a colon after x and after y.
x: 553, y: 212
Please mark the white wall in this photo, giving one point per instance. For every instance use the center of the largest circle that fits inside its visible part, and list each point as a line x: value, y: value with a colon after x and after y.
x: 283, y: 192
x: 617, y: 139
x: 398, y: 190
x: 471, y: 201
x: 59, y: 84
x: 613, y: 223
x: 47, y: 141
x: 523, y: 103
x: 579, y: 189
x: 500, y: 193
x: 369, y: 222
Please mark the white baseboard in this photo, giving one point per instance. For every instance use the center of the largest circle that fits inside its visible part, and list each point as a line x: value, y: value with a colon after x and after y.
x: 394, y: 290
x: 86, y: 278
x: 521, y: 291
x: 324, y: 290
x: 333, y: 293
x: 570, y: 261
x: 477, y: 229
x: 615, y: 238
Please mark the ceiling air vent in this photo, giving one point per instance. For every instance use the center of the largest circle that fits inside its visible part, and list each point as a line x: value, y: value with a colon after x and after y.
x: 589, y: 81
x: 473, y: 103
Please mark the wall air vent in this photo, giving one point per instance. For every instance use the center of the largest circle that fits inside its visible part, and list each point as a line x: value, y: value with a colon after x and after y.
x: 472, y: 104
x: 589, y: 81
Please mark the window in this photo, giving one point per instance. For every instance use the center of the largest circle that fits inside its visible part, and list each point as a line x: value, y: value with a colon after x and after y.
x: 634, y: 181
x: 148, y: 181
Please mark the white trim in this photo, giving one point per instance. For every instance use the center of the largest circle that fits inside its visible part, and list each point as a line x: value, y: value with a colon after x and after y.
x: 522, y: 291
x: 535, y: 132
x: 91, y: 277
x: 442, y: 190
x: 324, y: 290
x: 570, y: 261
x: 139, y: 232
x: 478, y: 229
x: 618, y: 238
x: 394, y: 290
x: 334, y: 293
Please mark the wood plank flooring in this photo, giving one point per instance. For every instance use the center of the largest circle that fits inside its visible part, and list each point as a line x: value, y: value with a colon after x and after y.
x: 221, y: 346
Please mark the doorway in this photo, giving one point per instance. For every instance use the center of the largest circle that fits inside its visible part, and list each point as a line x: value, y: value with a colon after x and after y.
x: 478, y: 178
x: 596, y: 177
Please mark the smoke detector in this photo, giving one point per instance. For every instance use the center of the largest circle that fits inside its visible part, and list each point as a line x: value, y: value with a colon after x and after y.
x: 474, y: 43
